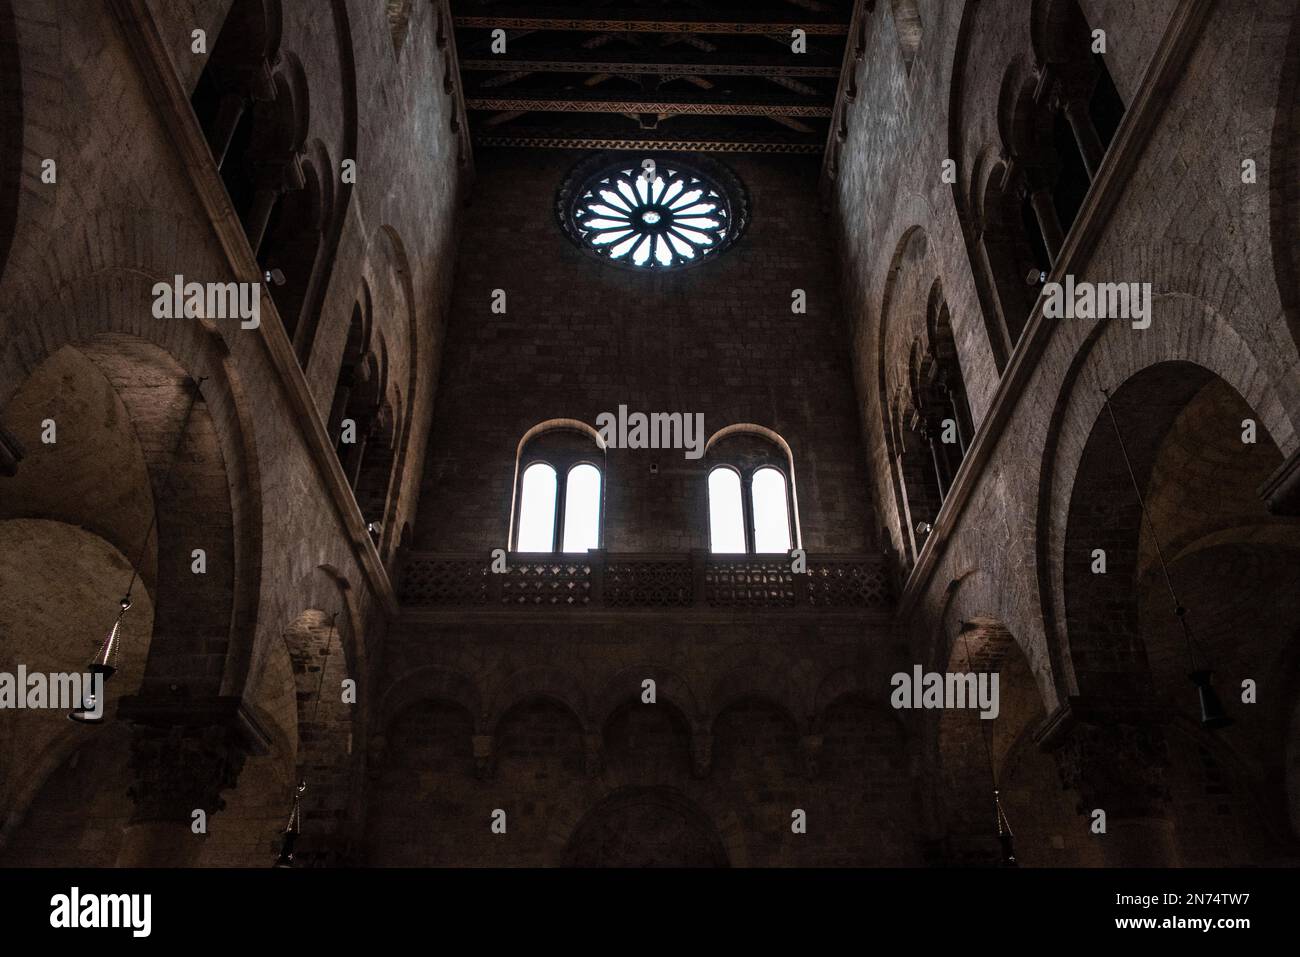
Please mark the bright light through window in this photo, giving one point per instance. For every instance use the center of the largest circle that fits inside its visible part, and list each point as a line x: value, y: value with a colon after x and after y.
x: 771, y: 512
x: 663, y: 216
x: 582, y: 509
x: 537, y: 509
x: 726, y: 516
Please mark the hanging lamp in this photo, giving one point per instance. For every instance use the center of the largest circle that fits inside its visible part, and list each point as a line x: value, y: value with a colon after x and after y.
x: 1002, y: 827
x: 293, y: 828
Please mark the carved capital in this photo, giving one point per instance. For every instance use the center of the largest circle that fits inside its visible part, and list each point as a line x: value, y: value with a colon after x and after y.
x: 178, y: 769
x: 1114, y: 756
x: 186, y: 751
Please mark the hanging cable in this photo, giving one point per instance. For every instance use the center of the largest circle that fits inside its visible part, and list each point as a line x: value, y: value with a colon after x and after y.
x: 1212, y: 714
x: 1005, y: 836
x: 294, y: 826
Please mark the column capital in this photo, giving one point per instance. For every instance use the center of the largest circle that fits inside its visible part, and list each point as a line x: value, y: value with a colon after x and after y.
x: 1112, y: 753
x: 180, y: 769
x: 185, y: 752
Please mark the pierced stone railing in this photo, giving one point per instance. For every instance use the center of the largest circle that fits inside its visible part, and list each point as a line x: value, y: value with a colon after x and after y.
x: 598, y: 579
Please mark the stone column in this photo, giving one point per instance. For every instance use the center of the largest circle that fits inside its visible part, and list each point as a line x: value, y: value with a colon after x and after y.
x: 1049, y: 223
x: 1085, y: 134
x: 229, y: 112
x: 273, y: 175
x: 259, y: 215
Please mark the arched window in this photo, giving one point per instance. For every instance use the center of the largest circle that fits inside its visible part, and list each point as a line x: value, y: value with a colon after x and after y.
x: 375, y: 474
x: 771, y: 511
x: 365, y: 420
x: 1068, y: 124
x: 918, y: 477
x: 751, y: 501
x: 560, y: 492
x: 930, y: 424
x: 1059, y: 120
x: 726, y: 512
x: 582, y: 509
x: 253, y: 103
x: 236, y: 76
x: 537, y: 509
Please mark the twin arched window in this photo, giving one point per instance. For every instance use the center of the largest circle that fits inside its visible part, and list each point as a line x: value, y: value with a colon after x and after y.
x: 559, y: 493
x: 551, y: 518
x: 559, y: 496
x: 757, y: 522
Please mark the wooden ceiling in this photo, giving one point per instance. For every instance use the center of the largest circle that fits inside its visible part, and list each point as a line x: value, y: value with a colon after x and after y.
x: 715, y: 76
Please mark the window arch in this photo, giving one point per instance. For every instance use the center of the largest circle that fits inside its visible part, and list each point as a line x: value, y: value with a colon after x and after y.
x: 931, y: 424
x: 365, y: 419
x: 292, y: 253
x: 1066, y: 124
x: 1056, y: 117
x: 254, y: 105
x: 751, y: 498
x: 559, y: 490
x: 918, y: 480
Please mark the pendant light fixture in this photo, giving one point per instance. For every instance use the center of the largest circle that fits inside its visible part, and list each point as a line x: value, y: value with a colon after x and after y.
x: 91, y: 711
x: 1213, y: 715
x: 294, y: 827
